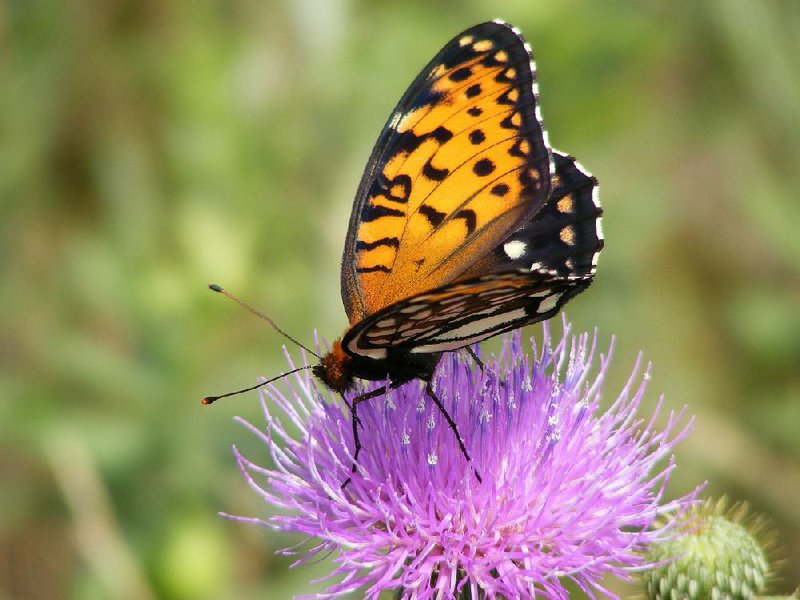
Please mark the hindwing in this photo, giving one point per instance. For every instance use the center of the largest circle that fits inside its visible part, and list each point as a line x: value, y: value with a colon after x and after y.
x: 462, y: 313
x: 462, y: 163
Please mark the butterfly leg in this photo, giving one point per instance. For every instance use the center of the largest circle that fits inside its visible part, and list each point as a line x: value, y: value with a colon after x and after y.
x: 350, y: 408
x: 354, y: 413
x: 475, y: 357
x: 453, y: 427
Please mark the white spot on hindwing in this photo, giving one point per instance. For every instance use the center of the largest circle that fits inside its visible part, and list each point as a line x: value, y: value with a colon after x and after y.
x: 515, y: 249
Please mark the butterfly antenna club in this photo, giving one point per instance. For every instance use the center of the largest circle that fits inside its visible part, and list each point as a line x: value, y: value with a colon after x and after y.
x: 220, y: 290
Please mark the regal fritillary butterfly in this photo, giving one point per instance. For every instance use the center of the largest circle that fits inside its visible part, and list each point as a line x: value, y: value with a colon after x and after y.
x: 466, y: 224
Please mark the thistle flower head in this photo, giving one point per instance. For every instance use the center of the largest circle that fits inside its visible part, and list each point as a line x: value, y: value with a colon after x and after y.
x: 568, y: 492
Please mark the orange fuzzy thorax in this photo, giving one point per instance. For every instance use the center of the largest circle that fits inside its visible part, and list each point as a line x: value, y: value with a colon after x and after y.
x: 334, y: 369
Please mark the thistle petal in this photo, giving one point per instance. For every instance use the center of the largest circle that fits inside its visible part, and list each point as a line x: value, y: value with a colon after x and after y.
x: 568, y: 492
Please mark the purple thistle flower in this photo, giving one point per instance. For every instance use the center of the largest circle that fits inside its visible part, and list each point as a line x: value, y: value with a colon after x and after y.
x: 569, y: 493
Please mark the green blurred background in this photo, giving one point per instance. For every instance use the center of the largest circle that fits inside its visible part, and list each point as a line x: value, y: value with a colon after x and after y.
x: 148, y: 147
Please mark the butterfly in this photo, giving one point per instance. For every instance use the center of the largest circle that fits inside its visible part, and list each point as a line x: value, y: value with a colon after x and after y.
x: 465, y: 225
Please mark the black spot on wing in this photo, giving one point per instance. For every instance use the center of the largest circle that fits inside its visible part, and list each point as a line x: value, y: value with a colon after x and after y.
x: 501, y: 189
x: 469, y: 219
x: 505, y: 98
x: 391, y: 242
x: 373, y: 269
x: 407, y: 141
x: 473, y: 90
x: 474, y: 111
x: 373, y: 212
x: 508, y: 122
x: 531, y: 181
x: 398, y: 189
x: 483, y: 167
x: 441, y: 134
x: 433, y: 173
x: 461, y: 74
x: 476, y: 136
x: 434, y: 217
x: 401, y: 183
x: 490, y: 61
x: 516, y: 150
x: 505, y: 77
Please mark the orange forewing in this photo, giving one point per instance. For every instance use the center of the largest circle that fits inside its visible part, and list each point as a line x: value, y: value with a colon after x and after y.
x: 460, y: 165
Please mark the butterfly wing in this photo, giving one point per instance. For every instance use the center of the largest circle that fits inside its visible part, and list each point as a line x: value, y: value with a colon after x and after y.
x: 461, y: 163
x: 463, y: 313
x: 564, y: 236
x: 525, y: 279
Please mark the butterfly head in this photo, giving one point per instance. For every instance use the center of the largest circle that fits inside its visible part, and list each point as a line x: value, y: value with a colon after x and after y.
x: 334, y: 370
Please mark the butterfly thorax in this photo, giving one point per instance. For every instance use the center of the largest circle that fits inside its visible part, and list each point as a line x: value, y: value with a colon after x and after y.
x: 334, y: 370
x: 338, y: 369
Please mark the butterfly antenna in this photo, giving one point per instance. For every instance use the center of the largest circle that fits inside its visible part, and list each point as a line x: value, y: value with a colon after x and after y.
x: 216, y: 288
x: 212, y: 399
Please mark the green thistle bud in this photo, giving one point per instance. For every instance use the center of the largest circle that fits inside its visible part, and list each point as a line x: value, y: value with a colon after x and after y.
x: 719, y: 557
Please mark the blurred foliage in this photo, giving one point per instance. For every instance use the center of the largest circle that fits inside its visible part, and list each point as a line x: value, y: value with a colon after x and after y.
x: 149, y: 147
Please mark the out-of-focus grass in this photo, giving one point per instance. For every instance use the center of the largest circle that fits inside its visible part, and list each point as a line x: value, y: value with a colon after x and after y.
x: 148, y: 148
